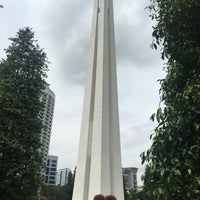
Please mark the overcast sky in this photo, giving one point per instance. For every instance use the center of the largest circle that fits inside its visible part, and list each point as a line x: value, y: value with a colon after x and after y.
x: 62, y: 28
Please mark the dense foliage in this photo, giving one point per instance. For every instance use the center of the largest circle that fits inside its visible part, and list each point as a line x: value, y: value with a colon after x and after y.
x: 174, y: 158
x: 70, y: 185
x: 54, y: 192
x: 59, y: 192
x: 22, y: 79
x: 130, y: 195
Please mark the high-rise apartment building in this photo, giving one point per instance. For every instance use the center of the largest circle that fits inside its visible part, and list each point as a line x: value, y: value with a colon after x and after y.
x: 62, y: 176
x: 130, y: 177
x: 50, y: 177
x: 46, y: 116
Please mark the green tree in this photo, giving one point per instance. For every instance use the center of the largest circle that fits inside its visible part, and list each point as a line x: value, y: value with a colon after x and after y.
x: 54, y: 192
x: 174, y: 157
x: 132, y: 195
x: 22, y: 79
x: 59, y: 192
x: 70, y: 186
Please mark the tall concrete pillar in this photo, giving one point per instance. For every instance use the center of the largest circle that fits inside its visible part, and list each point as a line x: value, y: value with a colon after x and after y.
x: 99, y: 169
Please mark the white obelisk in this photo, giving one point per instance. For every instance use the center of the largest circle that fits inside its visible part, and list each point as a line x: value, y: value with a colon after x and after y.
x: 99, y: 169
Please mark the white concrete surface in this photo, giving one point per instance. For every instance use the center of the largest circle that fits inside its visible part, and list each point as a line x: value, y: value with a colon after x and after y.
x: 99, y: 169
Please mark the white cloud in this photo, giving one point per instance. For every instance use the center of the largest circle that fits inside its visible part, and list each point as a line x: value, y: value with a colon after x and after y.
x: 63, y: 29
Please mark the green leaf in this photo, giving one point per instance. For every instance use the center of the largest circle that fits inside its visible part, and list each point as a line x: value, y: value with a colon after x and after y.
x: 162, y: 172
x: 177, y: 172
x: 152, y: 117
x: 189, y: 171
x: 158, y: 114
x: 196, y: 125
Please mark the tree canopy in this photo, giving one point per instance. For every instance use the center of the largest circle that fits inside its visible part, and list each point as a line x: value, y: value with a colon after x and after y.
x: 174, y: 157
x: 22, y: 79
x: 60, y: 192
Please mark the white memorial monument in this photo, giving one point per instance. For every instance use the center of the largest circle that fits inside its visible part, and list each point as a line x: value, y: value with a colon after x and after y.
x: 99, y: 169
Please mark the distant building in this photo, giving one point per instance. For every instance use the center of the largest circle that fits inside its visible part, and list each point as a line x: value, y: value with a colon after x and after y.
x: 50, y: 176
x: 62, y: 176
x: 130, y: 177
x: 46, y: 115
